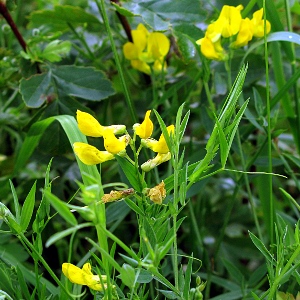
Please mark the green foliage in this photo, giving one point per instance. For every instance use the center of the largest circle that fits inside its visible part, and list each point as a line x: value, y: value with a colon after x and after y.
x: 218, y: 220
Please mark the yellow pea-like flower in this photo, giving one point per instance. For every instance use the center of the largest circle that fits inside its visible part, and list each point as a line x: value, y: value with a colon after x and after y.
x: 111, y: 143
x: 90, y: 155
x: 245, y: 33
x: 84, y: 276
x: 258, y: 24
x: 145, y: 129
x: 211, y: 50
x: 159, y: 146
x: 88, y: 125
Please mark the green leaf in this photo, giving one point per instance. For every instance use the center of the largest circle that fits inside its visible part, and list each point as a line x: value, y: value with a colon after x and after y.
x: 22, y: 282
x: 34, y: 90
x: 224, y: 148
x: 160, y: 14
x: 144, y: 276
x: 187, y: 279
x: 128, y: 275
x: 131, y: 173
x: 83, y: 82
x: 56, y: 49
x: 61, y: 234
x: 61, y: 207
x: 59, y: 18
x: 16, y: 201
x: 134, y: 207
x: 28, y: 207
x: 168, y: 294
x: 262, y: 248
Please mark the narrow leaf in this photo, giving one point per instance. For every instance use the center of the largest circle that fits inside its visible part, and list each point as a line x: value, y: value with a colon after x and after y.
x: 61, y: 207
x: 27, y: 209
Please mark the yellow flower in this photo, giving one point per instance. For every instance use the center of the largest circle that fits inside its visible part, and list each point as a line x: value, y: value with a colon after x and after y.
x: 84, y: 276
x: 157, y: 194
x: 228, y: 23
x: 154, y: 162
x: 245, y: 33
x: 211, y: 50
x: 159, y: 146
x: 111, y: 143
x: 258, y: 24
x: 90, y: 155
x: 146, y: 48
x: 89, y: 126
x: 145, y: 129
x: 158, y: 45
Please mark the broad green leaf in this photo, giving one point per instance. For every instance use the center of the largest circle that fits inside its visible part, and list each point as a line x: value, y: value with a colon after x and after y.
x: 61, y: 207
x: 128, y: 275
x: 59, y: 18
x: 35, y: 89
x: 83, y: 82
x: 161, y: 14
x: 27, y: 209
x: 234, y: 272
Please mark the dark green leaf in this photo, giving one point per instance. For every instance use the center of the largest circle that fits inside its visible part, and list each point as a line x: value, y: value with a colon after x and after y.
x: 83, y: 82
x: 59, y: 18
x: 34, y: 90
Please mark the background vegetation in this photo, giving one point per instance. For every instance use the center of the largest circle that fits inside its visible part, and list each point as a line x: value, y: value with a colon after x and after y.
x: 231, y: 215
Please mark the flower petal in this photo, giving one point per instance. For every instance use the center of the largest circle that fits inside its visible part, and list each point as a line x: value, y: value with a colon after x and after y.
x: 73, y: 273
x: 111, y: 143
x: 90, y: 155
x: 145, y: 129
x: 88, y: 125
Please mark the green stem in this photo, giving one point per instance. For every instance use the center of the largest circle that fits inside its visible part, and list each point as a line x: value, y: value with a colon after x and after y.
x: 269, y: 133
x: 283, y: 272
x: 101, y: 7
x: 44, y: 263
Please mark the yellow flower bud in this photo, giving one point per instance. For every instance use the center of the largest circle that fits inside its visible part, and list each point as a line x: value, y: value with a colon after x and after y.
x: 90, y: 155
x: 157, y: 160
x: 145, y: 129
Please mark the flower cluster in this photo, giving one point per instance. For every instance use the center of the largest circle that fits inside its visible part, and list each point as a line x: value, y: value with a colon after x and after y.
x: 90, y: 155
x: 84, y: 276
x: 231, y: 24
x: 147, y: 48
x: 144, y: 131
x: 89, y: 126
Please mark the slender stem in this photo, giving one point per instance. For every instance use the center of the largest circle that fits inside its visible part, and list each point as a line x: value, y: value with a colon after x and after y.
x: 269, y: 132
x: 124, y: 22
x: 42, y: 260
x: 5, y: 13
x: 102, y: 10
